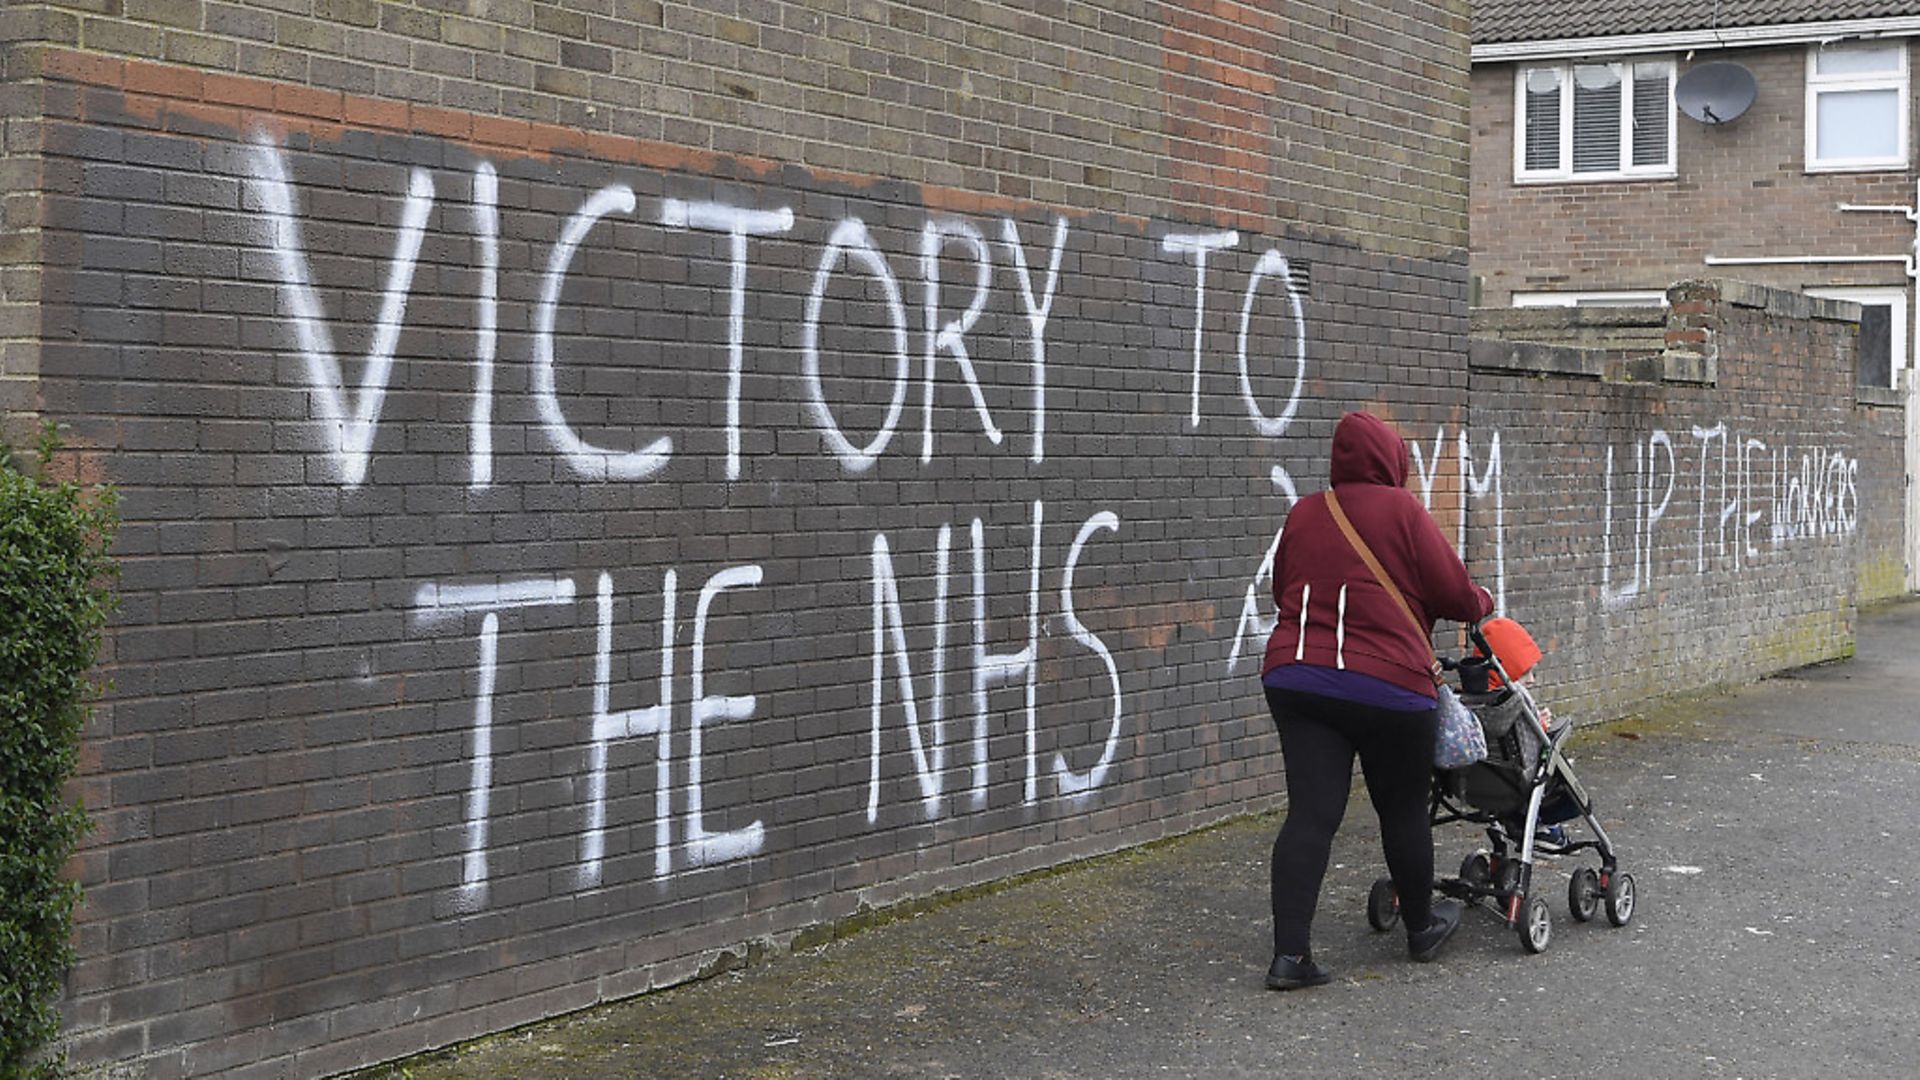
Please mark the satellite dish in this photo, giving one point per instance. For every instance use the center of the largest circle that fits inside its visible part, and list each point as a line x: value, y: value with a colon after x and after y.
x: 1715, y: 93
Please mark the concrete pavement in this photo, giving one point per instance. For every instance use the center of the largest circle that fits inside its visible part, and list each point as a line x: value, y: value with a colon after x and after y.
x: 1773, y: 832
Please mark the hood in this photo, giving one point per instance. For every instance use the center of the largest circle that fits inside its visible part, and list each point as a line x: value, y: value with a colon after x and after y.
x: 1367, y: 451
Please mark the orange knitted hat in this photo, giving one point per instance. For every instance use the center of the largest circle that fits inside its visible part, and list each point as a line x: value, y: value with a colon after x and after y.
x: 1513, y: 645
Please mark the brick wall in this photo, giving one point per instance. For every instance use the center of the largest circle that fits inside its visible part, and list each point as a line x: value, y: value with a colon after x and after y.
x: 1742, y: 191
x: 1704, y: 515
x: 19, y: 234
x: 556, y: 446
x: 558, y: 443
x: 1880, y: 432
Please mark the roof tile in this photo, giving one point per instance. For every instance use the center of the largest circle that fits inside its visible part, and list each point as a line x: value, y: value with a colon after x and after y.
x: 1532, y: 20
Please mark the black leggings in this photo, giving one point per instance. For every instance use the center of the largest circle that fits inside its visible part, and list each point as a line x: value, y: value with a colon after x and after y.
x: 1318, y: 738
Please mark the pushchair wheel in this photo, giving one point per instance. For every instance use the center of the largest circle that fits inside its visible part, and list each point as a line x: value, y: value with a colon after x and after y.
x: 1536, y: 930
x: 1506, y: 876
x: 1620, y: 899
x: 1477, y: 870
x: 1583, y: 894
x: 1383, y: 905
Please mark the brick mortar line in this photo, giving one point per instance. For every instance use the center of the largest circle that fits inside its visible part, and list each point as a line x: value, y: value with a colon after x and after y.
x: 544, y: 137
x: 1073, y: 74
x: 539, y: 139
x: 536, y: 140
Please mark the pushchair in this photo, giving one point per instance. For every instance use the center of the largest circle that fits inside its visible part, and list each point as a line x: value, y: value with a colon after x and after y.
x: 1526, y: 795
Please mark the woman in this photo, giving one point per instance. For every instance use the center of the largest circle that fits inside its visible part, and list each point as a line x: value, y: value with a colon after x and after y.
x: 1347, y: 673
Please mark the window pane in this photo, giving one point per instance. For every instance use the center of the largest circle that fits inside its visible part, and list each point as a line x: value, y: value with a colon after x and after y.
x: 1876, y: 345
x: 1596, y: 118
x: 1651, y: 114
x: 1856, y: 61
x: 1543, y: 119
x: 1857, y: 124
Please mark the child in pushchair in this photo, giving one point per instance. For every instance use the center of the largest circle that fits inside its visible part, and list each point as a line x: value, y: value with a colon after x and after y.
x: 1525, y: 793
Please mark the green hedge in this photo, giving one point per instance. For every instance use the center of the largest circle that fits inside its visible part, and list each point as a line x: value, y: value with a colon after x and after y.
x: 54, y: 600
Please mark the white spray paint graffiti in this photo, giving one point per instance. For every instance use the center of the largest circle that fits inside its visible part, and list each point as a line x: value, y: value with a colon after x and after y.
x: 1272, y: 263
x: 739, y: 224
x: 486, y: 221
x: 950, y: 337
x: 1645, y: 518
x: 850, y: 237
x: 1072, y: 783
x: 587, y: 460
x: 353, y: 421
x: 991, y: 669
x: 887, y: 616
x: 1816, y: 498
x: 926, y: 742
x: 1198, y: 245
x: 1706, y: 437
x: 442, y: 603
x: 1251, y: 632
x: 439, y: 603
x: 1036, y: 317
x: 350, y: 426
x: 706, y: 848
x: 1427, y: 466
x: 1820, y: 498
x: 655, y: 720
x: 1489, y: 482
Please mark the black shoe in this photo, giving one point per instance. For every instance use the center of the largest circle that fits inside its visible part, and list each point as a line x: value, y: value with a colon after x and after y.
x: 1296, y: 973
x: 1424, y: 945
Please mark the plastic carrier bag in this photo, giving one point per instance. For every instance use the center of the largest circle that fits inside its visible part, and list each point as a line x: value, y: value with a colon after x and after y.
x: 1459, y: 741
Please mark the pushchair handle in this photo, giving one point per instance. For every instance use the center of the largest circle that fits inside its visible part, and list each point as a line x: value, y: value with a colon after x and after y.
x: 1448, y: 663
x: 1479, y: 639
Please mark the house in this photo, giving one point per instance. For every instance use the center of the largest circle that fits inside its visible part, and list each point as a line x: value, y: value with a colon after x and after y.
x: 1592, y: 184
x: 1591, y: 187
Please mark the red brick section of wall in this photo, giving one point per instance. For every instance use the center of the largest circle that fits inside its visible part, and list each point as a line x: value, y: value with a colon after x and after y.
x: 1742, y: 191
x: 542, y: 504
x: 1356, y: 88
x: 1660, y: 536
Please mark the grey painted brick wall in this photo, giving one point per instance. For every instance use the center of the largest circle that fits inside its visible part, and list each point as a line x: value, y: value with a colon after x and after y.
x: 394, y: 755
x: 1667, y: 535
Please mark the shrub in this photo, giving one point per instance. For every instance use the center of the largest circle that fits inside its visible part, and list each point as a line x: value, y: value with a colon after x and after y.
x: 54, y: 601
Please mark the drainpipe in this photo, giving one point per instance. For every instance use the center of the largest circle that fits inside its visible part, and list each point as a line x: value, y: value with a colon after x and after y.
x: 1913, y: 410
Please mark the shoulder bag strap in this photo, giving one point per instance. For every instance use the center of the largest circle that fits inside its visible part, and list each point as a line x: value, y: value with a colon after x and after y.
x: 1380, y: 575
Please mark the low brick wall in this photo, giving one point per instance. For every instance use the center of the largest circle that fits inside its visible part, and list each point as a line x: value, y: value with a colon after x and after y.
x: 1707, y: 514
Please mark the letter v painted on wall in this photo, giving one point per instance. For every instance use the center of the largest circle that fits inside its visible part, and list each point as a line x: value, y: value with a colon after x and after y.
x: 349, y: 421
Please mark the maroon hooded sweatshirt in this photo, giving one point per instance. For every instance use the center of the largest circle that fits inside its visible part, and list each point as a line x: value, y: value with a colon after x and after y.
x: 1351, y: 622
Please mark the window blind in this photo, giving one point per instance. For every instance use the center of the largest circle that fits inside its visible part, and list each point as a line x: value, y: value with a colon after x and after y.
x: 1650, y: 114
x: 1596, y: 118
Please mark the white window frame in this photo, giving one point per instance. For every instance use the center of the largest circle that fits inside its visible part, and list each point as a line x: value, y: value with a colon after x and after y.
x: 1563, y: 173
x: 1614, y: 298
x: 1818, y: 84
x: 1893, y: 296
